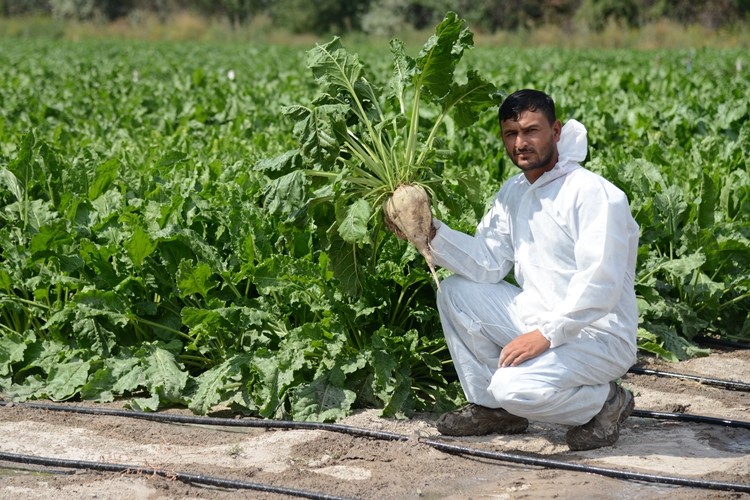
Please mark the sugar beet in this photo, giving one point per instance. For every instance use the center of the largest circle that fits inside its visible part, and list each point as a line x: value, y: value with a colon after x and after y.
x: 409, y: 210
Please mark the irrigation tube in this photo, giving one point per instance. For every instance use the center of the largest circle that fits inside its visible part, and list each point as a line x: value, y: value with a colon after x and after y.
x: 390, y: 436
x: 226, y: 422
x: 344, y: 429
x: 722, y: 342
x: 557, y: 464
x: 726, y: 384
x: 687, y: 417
x: 181, y: 476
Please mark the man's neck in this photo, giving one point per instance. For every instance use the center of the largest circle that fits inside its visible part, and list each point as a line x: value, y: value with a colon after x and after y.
x: 532, y: 175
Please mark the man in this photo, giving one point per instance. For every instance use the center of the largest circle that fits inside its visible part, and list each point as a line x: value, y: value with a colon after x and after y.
x: 550, y: 348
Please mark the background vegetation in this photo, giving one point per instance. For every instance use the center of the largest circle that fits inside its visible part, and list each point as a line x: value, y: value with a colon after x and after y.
x: 159, y: 242
x: 583, y: 23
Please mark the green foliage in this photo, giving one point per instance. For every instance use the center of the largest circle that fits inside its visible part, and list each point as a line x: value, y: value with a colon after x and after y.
x: 150, y: 250
x: 689, y: 189
x: 392, y: 17
x: 596, y: 13
x: 322, y: 16
x: 146, y: 257
x: 367, y: 136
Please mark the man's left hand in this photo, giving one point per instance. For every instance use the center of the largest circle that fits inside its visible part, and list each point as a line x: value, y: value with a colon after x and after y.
x: 526, y: 346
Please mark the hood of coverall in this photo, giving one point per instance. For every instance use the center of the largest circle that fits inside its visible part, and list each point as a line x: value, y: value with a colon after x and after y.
x: 571, y: 148
x: 573, y: 144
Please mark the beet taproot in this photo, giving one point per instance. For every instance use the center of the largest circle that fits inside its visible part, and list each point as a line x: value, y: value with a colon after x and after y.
x: 409, y: 210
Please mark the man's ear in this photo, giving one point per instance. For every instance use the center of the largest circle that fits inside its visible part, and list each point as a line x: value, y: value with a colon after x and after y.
x: 556, y: 129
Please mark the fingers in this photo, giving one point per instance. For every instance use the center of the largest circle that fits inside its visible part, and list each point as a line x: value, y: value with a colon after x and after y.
x: 511, y: 355
x: 511, y: 359
x: 522, y: 348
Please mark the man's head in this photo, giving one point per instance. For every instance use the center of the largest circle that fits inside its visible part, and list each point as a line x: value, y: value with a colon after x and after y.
x: 530, y: 131
x: 527, y: 100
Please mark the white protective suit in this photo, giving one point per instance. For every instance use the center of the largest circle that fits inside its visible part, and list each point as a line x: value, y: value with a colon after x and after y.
x: 572, y: 242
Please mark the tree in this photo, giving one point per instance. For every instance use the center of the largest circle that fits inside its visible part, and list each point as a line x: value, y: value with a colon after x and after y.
x: 22, y: 7
x: 87, y: 9
x: 596, y: 13
x: 320, y: 16
x: 238, y: 12
x: 385, y: 17
x: 72, y: 9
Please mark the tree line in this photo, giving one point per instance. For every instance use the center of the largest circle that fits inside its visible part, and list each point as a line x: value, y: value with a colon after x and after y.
x: 387, y: 17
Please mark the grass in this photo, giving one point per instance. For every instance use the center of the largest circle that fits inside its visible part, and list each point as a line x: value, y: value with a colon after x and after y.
x: 186, y: 26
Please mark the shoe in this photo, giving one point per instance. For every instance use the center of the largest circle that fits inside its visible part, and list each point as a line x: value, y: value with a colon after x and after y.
x: 604, y: 428
x: 476, y: 420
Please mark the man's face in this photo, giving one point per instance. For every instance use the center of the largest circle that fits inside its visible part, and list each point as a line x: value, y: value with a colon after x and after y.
x: 531, y: 142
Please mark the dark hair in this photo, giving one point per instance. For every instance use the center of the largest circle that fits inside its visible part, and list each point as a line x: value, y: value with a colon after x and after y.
x: 527, y: 100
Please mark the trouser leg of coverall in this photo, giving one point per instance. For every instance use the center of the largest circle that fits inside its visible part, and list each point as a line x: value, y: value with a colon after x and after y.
x: 564, y: 385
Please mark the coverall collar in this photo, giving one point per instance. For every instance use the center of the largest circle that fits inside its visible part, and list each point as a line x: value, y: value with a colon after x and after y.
x: 572, y: 149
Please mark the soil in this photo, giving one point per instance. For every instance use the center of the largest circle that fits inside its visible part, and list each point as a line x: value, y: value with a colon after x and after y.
x: 325, y: 464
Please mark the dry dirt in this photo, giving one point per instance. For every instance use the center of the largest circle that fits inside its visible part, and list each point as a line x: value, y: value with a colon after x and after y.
x: 324, y: 464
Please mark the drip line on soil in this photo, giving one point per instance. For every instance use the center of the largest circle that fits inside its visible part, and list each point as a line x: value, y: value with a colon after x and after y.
x: 391, y: 436
x: 722, y: 342
x: 345, y: 429
x: 217, y: 421
x: 688, y: 417
x: 718, y: 382
x: 558, y: 464
x: 185, y: 477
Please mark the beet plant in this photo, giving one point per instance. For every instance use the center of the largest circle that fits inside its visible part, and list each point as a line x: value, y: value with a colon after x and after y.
x: 369, y: 143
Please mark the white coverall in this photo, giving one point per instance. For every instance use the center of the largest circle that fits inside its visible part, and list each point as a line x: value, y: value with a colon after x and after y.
x: 572, y: 242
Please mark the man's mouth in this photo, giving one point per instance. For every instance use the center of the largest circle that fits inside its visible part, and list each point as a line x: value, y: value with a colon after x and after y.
x: 524, y: 155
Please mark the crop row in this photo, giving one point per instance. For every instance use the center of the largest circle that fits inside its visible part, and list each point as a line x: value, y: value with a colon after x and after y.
x: 149, y: 251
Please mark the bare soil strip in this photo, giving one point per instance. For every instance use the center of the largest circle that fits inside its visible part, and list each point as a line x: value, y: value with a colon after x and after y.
x: 343, y: 465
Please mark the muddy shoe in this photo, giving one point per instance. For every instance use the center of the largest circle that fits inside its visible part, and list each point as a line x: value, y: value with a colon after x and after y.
x: 604, y: 428
x: 475, y: 420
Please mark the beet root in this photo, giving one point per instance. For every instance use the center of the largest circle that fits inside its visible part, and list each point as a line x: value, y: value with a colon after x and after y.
x: 408, y: 212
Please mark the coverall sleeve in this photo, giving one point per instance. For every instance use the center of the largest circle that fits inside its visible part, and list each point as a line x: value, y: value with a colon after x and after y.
x: 485, y: 257
x: 605, y: 235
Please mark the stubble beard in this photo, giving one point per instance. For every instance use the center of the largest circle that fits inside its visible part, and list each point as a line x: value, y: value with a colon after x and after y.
x: 542, y: 162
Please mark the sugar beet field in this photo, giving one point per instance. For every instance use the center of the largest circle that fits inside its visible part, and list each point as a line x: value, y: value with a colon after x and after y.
x: 163, y: 244
x: 176, y: 237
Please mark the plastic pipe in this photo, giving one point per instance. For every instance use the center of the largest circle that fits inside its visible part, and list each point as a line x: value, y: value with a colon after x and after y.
x: 615, y: 473
x: 181, y: 476
x: 723, y: 383
x: 527, y: 460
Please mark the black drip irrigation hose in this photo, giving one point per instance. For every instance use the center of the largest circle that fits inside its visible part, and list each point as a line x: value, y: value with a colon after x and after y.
x: 615, y: 473
x: 185, y: 477
x: 390, y: 436
x: 226, y: 422
x: 687, y: 417
x: 718, y: 382
x: 722, y: 342
x: 343, y: 429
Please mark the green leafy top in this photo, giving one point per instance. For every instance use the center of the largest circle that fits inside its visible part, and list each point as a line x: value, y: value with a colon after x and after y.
x: 369, y: 141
